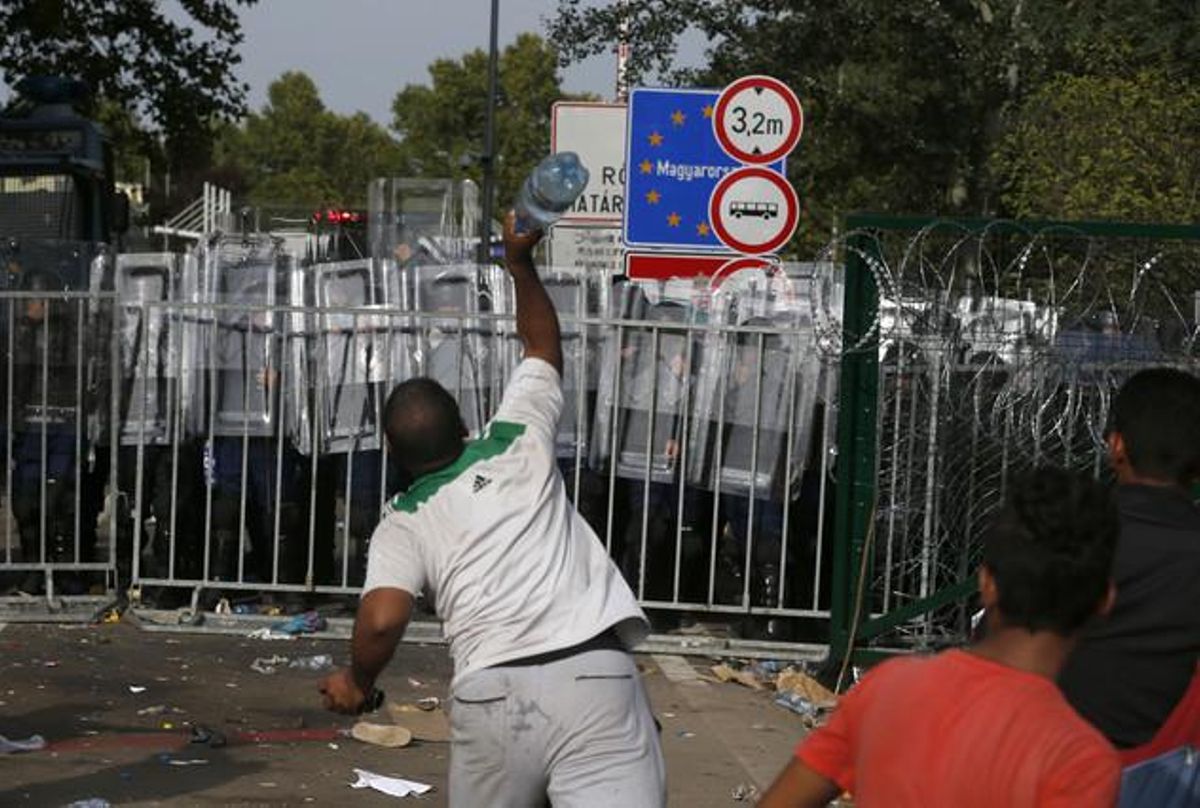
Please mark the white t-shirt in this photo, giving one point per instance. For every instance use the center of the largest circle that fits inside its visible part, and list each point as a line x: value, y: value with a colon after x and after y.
x: 511, y: 567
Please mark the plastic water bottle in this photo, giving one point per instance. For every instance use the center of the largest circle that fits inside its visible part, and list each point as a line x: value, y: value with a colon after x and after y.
x: 549, y: 191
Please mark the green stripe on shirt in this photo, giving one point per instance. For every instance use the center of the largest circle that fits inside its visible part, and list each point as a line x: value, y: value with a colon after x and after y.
x: 500, y: 436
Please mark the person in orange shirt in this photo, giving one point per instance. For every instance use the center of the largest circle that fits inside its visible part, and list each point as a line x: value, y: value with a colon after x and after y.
x: 985, y: 726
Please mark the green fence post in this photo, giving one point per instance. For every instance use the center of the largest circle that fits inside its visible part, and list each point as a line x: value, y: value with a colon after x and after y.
x: 857, y: 423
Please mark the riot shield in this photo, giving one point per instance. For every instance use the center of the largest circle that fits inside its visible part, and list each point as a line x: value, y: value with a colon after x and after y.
x: 757, y: 387
x: 152, y: 347
x: 350, y: 356
x: 577, y: 297
x: 449, y: 345
x: 254, y: 355
x: 644, y: 390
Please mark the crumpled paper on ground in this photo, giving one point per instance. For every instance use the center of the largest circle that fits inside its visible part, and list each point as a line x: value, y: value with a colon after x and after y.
x: 392, y: 786
x: 31, y: 744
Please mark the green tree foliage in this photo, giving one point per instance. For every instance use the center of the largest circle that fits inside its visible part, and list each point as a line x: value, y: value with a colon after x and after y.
x: 177, y: 77
x: 905, y: 103
x: 1097, y: 147
x: 296, y: 152
x: 442, y: 125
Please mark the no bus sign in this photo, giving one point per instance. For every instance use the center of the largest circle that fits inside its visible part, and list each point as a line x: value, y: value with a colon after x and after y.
x: 754, y: 210
x: 757, y: 120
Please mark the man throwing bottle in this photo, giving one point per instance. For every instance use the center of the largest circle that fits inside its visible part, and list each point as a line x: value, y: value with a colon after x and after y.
x: 546, y: 702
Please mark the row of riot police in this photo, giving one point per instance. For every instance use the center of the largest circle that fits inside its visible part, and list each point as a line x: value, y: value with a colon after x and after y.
x: 249, y: 385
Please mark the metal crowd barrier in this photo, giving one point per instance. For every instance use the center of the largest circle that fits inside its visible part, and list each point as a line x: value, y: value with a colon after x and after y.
x: 218, y: 415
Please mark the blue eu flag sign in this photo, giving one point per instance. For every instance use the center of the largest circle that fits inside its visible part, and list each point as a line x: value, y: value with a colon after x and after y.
x: 673, y: 162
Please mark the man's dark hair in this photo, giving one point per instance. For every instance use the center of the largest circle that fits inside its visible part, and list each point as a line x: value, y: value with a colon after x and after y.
x: 1157, y: 413
x: 1050, y: 550
x: 423, y: 425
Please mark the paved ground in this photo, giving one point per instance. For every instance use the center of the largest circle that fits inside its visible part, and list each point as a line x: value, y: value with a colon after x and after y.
x: 73, y: 685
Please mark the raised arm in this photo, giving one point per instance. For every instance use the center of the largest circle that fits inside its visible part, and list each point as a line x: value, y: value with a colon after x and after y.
x: 537, y: 322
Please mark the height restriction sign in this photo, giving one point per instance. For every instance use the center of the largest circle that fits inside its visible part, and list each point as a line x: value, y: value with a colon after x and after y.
x: 758, y: 120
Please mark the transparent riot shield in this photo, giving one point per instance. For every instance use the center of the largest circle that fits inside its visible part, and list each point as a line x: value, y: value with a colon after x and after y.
x: 256, y: 374
x: 450, y: 345
x: 577, y: 297
x: 153, y: 348
x: 757, y: 387
x: 644, y: 388
x: 350, y: 356
x: 423, y: 221
x: 56, y: 340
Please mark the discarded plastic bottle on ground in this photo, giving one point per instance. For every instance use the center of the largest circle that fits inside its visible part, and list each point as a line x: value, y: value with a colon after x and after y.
x: 549, y: 191
x: 318, y: 662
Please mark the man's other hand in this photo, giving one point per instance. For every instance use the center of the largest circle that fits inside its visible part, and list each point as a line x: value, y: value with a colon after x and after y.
x: 341, y: 693
x: 518, y: 247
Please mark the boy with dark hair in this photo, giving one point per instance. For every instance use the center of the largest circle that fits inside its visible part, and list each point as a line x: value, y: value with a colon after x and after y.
x: 1131, y: 672
x: 985, y: 726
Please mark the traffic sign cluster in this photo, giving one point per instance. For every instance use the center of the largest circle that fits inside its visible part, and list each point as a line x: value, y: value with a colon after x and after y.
x: 706, y: 175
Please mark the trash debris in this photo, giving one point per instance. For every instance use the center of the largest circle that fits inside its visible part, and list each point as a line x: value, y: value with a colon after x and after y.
x: 425, y: 725
x: 429, y: 704
x: 94, y: 802
x: 31, y: 744
x: 212, y: 738
x: 265, y: 633
x: 136, y: 689
x: 795, y: 681
x: 389, y: 735
x: 393, y: 786
x: 316, y: 662
x: 268, y: 665
x: 683, y: 733
x: 154, y: 709
x: 745, y: 793
x: 307, y: 623
x: 415, y: 682
x: 724, y: 673
x: 798, y: 705
x: 189, y: 762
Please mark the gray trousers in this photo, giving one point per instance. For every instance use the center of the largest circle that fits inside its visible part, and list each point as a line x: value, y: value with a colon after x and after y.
x: 574, y: 733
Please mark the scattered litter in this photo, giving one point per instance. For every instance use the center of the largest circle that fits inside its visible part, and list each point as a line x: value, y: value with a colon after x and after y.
x: 389, y: 735
x: 798, y: 705
x: 683, y: 733
x: 668, y: 715
x: 155, y: 709
x: 268, y: 665
x: 415, y: 682
x: 111, y: 616
x: 334, y: 747
x: 212, y: 738
x: 267, y: 785
x: 724, y: 673
x: 136, y: 689
x: 429, y: 704
x: 50, y: 663
x: 316, y: 662
x: 166, y: 725
x: 188, y: 762
x: 745, y: 793
x: 307, y: 623
x: 425, y: 725
x: 393, y: 786
x: 31, y: 744
x: 94, y: 802
x: 265, y: 633
x: 794, y: 681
